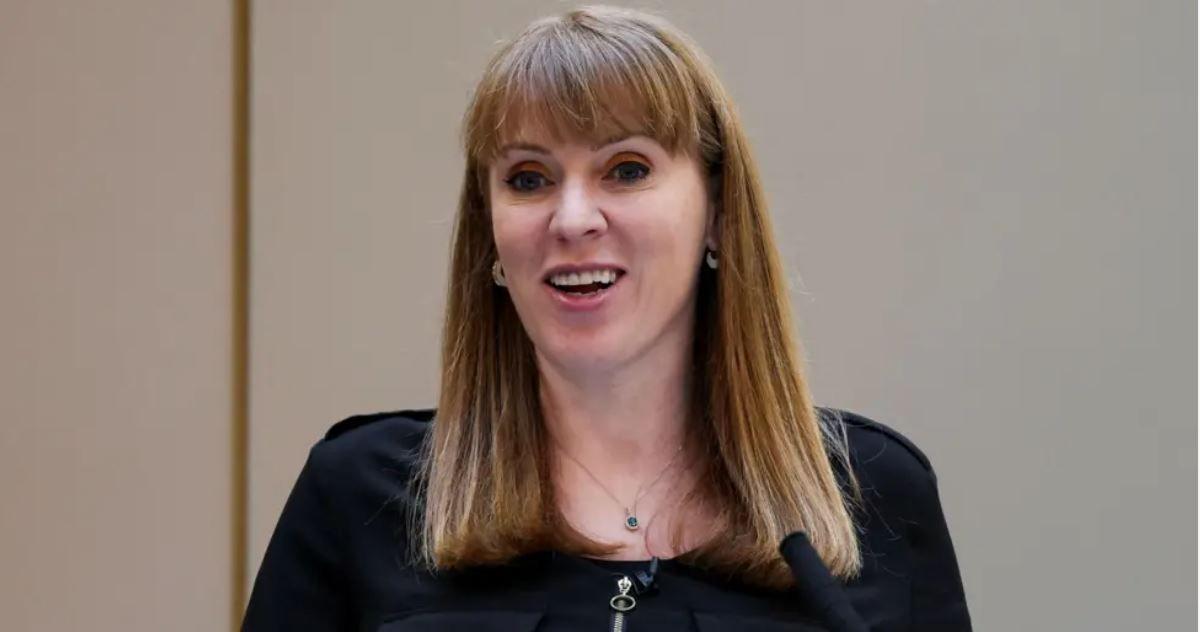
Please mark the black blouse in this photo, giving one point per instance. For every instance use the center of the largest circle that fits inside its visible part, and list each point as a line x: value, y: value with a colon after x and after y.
x: 335, y: 560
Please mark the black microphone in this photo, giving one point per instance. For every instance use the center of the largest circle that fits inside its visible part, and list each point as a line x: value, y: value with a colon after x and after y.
x: 645, y: 582
x: 817, y: 587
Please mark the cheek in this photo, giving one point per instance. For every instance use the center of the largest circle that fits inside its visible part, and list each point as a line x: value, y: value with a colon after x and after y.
x: 669, y: 227
x: 516, y: 235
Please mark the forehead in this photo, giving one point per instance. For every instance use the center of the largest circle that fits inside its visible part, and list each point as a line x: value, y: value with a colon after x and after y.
x: 546, y: 128
x: 543, y: 134
x: 587, y: 114
x: 546, y: 144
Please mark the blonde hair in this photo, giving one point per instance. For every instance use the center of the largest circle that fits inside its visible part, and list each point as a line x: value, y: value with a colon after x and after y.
x: 483, y: 487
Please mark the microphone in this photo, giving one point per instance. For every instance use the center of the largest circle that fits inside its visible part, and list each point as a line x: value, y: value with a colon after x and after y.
x: 645, y: 582
x: 817, y: 587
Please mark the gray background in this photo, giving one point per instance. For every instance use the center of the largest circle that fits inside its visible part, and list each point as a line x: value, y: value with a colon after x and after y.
x: 988, y: 210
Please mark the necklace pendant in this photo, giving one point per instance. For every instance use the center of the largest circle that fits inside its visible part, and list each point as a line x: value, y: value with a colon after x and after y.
x: 631, y: 522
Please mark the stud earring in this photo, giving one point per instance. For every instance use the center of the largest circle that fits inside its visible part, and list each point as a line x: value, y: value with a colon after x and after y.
x: 498, y: 274
x: 710, y: 257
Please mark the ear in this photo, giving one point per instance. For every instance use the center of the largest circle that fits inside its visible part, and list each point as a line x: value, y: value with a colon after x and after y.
x: 712, y: 231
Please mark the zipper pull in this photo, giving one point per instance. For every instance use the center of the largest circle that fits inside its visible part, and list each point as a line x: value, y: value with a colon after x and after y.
x: 623, y: 601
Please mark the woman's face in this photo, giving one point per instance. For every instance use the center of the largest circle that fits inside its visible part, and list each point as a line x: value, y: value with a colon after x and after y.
x: 624, y: 204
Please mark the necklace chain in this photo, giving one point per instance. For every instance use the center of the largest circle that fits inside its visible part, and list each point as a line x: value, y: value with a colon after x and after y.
x: 631, y: 520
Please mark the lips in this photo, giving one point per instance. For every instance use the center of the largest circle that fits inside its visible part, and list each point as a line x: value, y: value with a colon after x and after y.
x: 588, y: 266
x: 591, y: 301
x: 592, y: 287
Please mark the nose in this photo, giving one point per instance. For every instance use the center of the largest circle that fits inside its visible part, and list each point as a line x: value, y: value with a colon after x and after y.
x: 578, y: 214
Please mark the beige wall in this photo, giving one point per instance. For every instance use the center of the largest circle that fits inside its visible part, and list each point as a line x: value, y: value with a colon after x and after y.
x: 988, y: 208
x: 115, y: 316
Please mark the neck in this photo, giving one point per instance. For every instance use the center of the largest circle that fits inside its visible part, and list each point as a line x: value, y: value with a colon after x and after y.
x: 626, y: 424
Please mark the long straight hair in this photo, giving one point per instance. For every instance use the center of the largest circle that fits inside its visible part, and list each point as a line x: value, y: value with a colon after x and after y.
x: 483, y: 488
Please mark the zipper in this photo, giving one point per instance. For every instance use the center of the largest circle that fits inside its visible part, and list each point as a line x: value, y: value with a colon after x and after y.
x: 621, y: 603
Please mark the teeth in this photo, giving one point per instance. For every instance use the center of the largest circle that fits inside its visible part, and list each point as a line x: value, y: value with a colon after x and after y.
x: 584, y: 278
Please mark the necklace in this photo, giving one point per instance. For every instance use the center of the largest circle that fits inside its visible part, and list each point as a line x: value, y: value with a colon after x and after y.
x: 631, y: 520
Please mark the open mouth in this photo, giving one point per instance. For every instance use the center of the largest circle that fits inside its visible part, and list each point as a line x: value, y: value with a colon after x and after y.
x: 583, y: 290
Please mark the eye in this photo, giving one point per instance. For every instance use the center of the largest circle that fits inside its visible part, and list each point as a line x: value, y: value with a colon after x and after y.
x: 526, y: 180
x: 629, y: 171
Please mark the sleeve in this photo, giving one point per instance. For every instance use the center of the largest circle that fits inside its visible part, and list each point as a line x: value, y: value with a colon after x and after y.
x: 938, y: 599
x: 301, y: 583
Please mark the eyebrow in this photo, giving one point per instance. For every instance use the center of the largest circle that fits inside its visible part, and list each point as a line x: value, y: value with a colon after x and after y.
x: 615, y: 138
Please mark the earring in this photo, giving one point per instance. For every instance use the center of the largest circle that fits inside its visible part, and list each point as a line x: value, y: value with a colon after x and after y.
x: 710, y: 257
x: 498, y: 274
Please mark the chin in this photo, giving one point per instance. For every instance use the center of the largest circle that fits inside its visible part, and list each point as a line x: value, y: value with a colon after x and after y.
x: 581, y: 350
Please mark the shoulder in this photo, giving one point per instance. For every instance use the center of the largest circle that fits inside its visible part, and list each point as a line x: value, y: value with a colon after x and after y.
x: 369, y: 443
x: 895, y: 478
x: 910, y: 569
x: 875, y: 447
x: 410, y: 423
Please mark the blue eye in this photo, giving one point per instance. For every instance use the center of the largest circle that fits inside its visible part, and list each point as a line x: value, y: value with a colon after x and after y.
x: 630, y: 171
x: 525, y: 181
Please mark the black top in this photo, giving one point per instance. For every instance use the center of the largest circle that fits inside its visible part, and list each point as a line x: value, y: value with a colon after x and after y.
x: 335, y: 560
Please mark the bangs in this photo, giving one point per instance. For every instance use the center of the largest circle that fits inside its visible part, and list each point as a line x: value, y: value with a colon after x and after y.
x: 574, y: 81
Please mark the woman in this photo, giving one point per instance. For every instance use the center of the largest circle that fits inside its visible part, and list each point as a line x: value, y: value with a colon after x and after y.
x: 624, y: 434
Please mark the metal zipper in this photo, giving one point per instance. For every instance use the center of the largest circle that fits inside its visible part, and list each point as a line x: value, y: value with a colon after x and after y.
x: 621, y: 603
